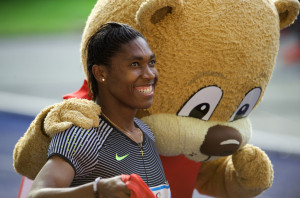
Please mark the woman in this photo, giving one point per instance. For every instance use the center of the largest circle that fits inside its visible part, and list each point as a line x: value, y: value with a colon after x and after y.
x: 88, y: 163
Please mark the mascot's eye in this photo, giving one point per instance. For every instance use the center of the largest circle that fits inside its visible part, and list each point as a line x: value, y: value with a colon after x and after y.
x: 202, y: 104
x: 247, y: 104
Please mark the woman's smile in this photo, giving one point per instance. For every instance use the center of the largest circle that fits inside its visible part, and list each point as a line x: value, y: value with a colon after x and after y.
x: 146, y: 90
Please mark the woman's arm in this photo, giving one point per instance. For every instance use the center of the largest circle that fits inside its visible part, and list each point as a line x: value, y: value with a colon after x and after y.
x: 56, y: 176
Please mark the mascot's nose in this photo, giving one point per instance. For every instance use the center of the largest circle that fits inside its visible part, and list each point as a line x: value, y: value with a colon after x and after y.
x: 221, y: 141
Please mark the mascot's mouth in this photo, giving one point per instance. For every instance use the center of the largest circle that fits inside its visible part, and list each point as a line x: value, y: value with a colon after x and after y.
x: 195, y: 154
x: 208, y: 157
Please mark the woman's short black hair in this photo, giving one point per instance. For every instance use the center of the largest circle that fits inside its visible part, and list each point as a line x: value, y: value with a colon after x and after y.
x: 104, y: 44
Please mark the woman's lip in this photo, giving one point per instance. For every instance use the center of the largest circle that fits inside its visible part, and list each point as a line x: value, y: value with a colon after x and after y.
x: 144, y: 86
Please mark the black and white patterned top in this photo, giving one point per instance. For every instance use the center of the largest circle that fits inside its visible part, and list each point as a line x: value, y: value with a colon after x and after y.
x: 106, y: 152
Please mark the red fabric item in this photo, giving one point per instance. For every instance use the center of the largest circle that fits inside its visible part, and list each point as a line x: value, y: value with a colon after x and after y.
x: 137, y: 186
x: 82, y: 93
x: 292, y: 54
x: 181, y: 174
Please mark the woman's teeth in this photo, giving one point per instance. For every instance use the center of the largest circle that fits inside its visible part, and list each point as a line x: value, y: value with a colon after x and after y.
x: 145, y: 90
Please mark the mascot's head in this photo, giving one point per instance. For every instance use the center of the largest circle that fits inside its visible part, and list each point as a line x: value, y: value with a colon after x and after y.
x: 215, y: 59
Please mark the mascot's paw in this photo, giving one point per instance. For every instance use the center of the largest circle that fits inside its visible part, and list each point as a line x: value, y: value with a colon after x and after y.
x: 253, y: 168
x: 80, y: 112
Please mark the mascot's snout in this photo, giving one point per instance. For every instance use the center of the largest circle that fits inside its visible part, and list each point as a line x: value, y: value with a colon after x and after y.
x: 221, y: 141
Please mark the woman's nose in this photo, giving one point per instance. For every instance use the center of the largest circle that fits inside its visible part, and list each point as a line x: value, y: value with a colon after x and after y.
x: 148, y: 72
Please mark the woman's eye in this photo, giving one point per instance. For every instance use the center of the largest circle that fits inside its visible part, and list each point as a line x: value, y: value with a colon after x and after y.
x: 135, y: 64
x: 152, y: 62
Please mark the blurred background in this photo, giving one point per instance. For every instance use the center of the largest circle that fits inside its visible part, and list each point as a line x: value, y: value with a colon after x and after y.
x: 40, y: 62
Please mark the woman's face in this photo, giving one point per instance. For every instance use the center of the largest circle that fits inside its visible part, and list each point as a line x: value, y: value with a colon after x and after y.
x: 132, y: 75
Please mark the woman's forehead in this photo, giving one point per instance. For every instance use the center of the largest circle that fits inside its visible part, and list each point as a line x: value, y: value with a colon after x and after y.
x: 135, y: 48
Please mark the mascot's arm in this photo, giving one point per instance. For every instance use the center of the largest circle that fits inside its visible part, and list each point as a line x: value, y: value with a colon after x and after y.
x: 31, y: 149
x: 34, y: 139
x: 246, y: 173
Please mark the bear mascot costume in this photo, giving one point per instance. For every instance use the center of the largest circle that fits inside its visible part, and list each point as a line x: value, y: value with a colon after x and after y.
x: 215, y: 59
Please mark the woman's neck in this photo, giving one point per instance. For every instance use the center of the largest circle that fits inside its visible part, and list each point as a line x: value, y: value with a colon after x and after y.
x: 120, y: 115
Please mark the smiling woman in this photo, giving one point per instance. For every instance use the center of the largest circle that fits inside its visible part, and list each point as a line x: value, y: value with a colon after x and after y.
x: 122, y: 78
x: 130, y: 80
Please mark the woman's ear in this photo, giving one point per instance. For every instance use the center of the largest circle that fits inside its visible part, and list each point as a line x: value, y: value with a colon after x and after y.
x: 99, y: 72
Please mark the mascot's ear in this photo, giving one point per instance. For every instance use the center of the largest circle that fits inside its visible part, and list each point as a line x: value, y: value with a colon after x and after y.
x: 288, y: 11
x: 153, y: 11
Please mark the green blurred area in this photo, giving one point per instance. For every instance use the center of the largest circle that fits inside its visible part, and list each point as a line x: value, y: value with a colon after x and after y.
x: 27, y: 17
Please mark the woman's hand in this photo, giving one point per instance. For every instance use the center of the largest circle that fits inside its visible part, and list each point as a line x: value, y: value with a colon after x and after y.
x: 113, y: 187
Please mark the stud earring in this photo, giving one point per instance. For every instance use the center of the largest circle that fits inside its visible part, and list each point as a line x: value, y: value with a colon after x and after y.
x: 103, y: 79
